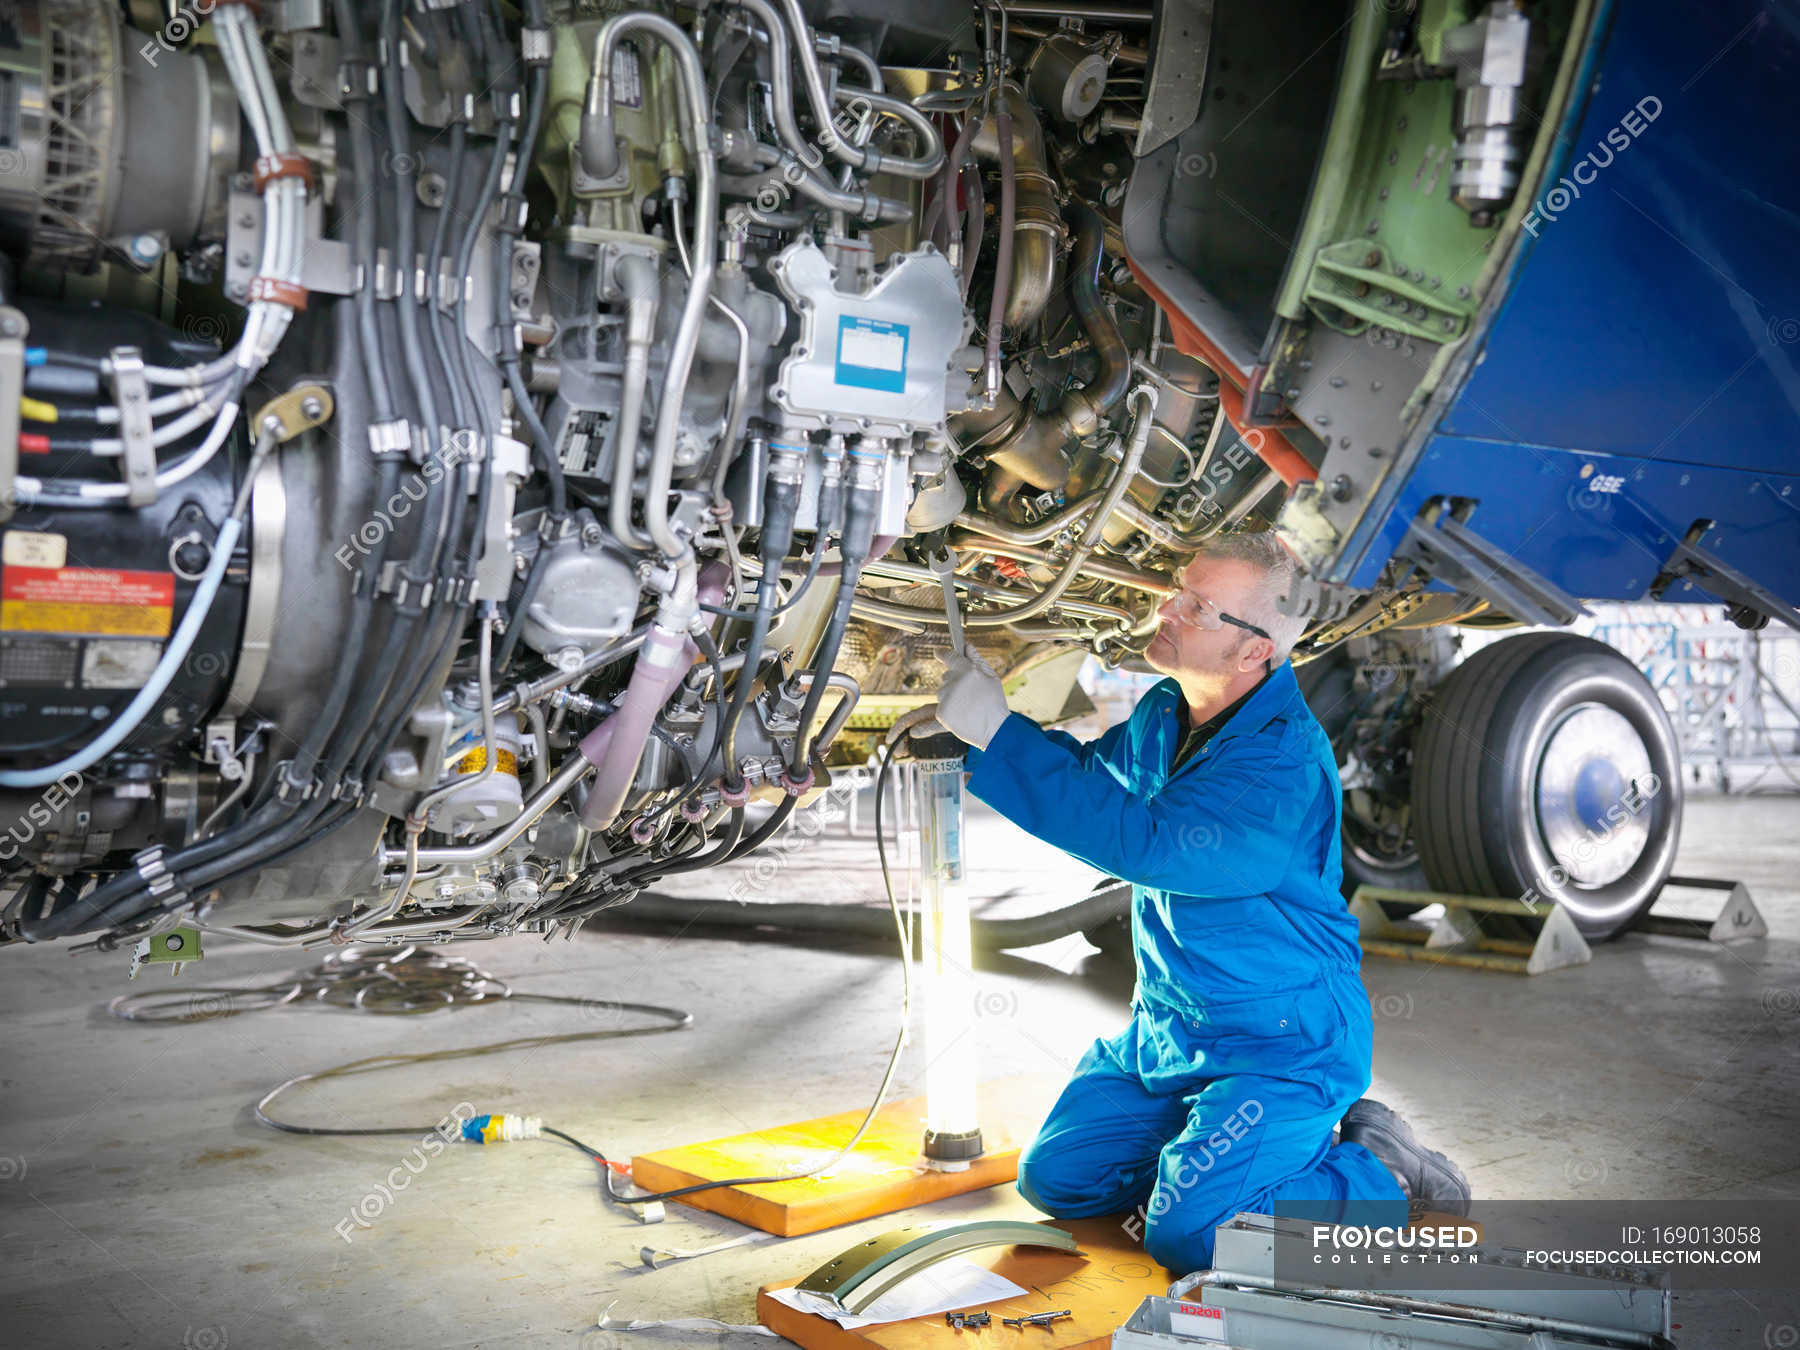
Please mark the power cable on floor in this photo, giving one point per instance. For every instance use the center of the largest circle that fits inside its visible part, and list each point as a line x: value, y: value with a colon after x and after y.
x: 413, y: 981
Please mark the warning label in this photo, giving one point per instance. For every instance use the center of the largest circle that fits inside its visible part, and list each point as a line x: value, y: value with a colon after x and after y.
x: 94, y: 600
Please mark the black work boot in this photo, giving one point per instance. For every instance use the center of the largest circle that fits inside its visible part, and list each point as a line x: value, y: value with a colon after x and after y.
x: 1431, y: 1181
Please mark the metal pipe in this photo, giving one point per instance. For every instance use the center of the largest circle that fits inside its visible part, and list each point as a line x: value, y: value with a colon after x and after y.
x: 521, y: 694
x: 852, y: 691
x: 1192, y: 541
x: 1151, y: 583
x: 1003, y: 258
x: 799, y: 165
x: 1028, y: 268
x: 930, y: 160
x: 1123, y: 473
x: 1036, y: 448
x: 599, y: 153
x: 1047, y: 528
x: 484, y: 674
x: 571, y: 772
x: 1077, y: 9
x: 641, y: 285
x: 912, y: 572
x: 856, y: 56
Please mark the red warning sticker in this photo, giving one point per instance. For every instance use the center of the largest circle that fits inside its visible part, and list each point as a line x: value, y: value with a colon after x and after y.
x: 94, y: 600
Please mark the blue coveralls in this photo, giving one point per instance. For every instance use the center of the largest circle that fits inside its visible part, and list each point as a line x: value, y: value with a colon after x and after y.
x: 1250, y: 1031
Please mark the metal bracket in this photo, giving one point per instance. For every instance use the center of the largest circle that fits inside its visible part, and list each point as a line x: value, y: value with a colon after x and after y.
x: 326, y: 266
x: 1706, y: 571
x: 174, y: 949
x: 855, y: 1278
x: 13, y: 331
x: 1451, y: 552
x: 317, y: 76
x: 1352, y: 286
x: 302, y: 408
x: 137, y: 433
x: 1173, y: 100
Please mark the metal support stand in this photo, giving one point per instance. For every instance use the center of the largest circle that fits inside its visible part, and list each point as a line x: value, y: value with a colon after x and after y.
x: 1458, y: 938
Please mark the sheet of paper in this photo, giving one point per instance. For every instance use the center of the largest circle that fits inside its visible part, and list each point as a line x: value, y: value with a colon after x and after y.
x: 954, y: 1283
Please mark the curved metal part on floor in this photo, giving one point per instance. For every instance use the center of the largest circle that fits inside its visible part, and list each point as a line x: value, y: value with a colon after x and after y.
x: 857, y: 1276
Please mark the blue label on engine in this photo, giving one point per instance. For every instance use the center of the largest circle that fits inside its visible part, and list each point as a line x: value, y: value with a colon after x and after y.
x: 871, y: 354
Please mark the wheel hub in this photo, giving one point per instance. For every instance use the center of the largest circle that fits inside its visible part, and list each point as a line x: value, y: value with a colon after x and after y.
x: 1592, y: 783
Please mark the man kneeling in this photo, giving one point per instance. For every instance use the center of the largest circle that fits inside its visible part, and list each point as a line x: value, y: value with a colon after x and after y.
x: 1236, y: 1084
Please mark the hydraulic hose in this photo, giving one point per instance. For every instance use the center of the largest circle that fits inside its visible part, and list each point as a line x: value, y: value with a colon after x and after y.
x: 1112, y: 902
x: 781, y: 506
x: 866, y: 470
x: 1003, y: 258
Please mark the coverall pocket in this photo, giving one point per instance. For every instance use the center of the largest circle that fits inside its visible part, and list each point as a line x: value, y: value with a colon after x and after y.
x: 1267, y: 1017
x: 1177, y: 1044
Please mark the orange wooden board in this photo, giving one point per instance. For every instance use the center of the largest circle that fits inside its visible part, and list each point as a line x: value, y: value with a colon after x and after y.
x: 1101, y: 1285
x: 886, y: 1172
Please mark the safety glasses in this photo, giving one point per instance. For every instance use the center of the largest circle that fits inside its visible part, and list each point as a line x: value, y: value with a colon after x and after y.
x: 1185, y: 607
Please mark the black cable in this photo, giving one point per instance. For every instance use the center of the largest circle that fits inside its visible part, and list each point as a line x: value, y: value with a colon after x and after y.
x: 506, y: 336
x: 363, y: 210
x: 745, y: 615
x: 516, y: 619
x: 426, y: 545
x: 762, y: 834
x: 710, y: 649
x: 436, y: 319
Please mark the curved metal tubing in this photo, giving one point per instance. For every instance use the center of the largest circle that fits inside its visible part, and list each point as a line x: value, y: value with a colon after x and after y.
x: 856, y: 1277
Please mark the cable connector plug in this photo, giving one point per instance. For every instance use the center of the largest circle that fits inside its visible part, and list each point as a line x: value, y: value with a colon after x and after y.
x: 501, y: 1129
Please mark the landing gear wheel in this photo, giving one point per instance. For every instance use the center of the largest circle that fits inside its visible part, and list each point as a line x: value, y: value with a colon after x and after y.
x: 1376, y: 840
x: 1378, y: 848
x: 1545, y: 767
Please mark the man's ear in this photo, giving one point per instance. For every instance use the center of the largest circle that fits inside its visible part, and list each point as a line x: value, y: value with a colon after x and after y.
x: 1258, y: 652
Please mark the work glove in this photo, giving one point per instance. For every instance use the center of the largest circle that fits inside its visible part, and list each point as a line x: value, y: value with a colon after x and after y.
x: 971, y: 701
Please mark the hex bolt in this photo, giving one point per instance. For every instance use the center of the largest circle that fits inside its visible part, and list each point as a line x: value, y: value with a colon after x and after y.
x: 312, y: 407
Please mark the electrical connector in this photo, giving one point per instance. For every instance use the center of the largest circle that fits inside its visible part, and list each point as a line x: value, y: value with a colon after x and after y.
x: 501, y: 1129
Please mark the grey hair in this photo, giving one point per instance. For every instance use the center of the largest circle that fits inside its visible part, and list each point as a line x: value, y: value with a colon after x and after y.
x: 1264, y: 551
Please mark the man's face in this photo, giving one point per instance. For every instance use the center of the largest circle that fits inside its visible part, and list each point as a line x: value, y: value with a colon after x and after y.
x: 1183, y: 646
